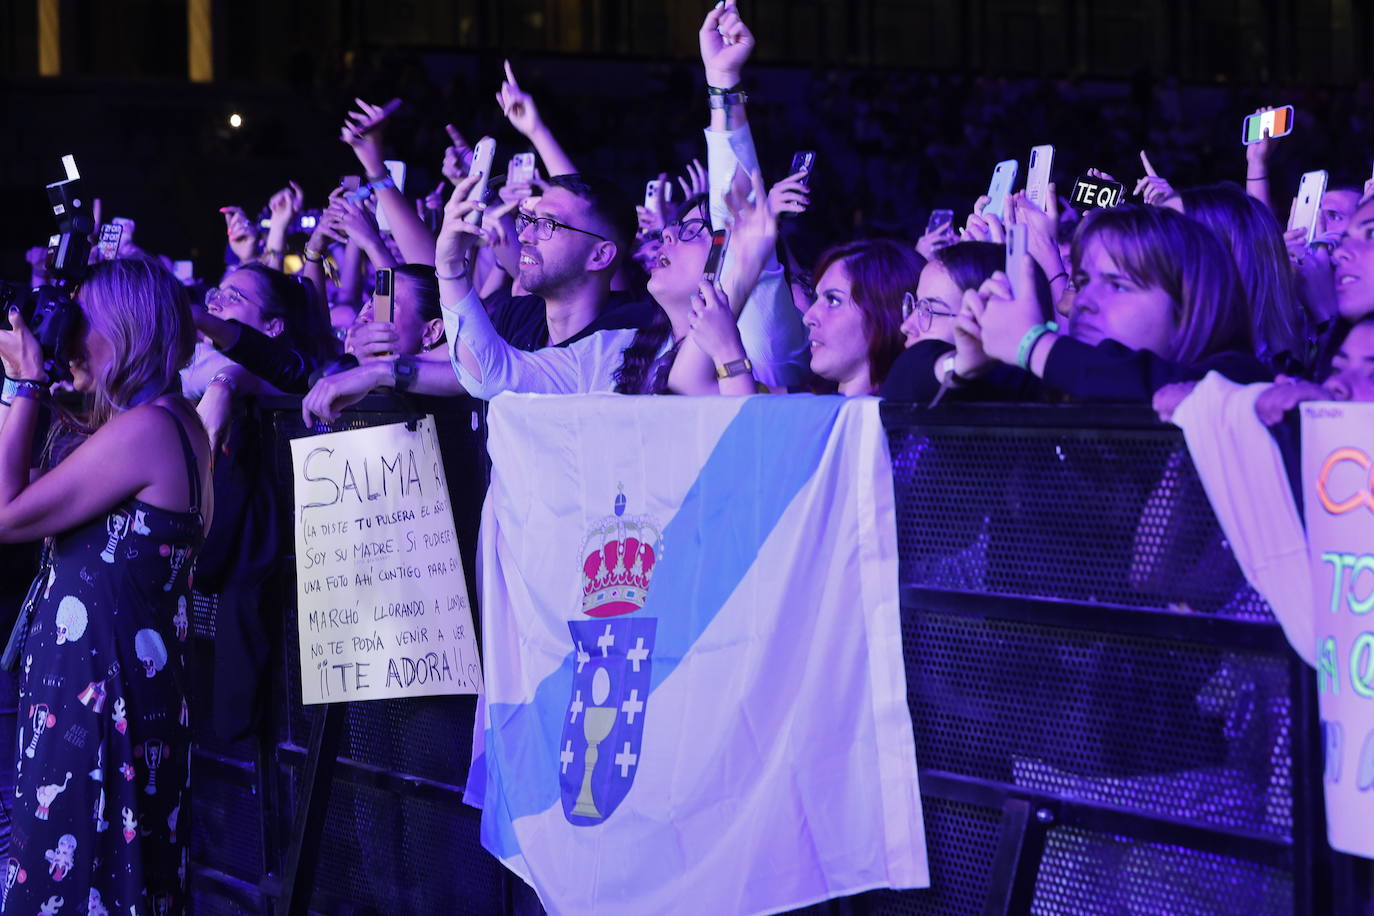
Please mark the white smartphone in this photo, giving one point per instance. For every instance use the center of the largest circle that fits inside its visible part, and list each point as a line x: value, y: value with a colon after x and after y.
x: 1307, y: 205
x: 397, y: 170
x: 483, y: 154
x: 1038, y: 177
x: 1003, y: 177
x: 521, y: 169
x: 651, y: 194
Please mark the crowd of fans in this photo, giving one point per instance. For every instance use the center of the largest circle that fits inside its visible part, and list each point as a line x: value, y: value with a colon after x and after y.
x: 554, y: 281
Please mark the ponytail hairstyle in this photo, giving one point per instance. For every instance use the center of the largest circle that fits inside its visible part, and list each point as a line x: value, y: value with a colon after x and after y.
x: 142, y: 310
x: 295, y: 302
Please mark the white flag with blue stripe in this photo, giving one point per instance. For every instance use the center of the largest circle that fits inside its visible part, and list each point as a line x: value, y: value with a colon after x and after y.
x: 696, y: 700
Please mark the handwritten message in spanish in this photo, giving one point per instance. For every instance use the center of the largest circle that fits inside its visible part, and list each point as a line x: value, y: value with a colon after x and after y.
x: 1338, y: 479
x: 379, y: 582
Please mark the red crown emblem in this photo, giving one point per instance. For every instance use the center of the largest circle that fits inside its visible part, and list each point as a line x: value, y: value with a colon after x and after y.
x: 620, y: 556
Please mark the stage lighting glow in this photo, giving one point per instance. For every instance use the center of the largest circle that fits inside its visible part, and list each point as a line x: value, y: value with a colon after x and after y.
x: 236, y: 120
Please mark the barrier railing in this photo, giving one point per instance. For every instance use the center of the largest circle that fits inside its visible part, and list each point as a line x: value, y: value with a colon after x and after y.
x: 1107, y: 717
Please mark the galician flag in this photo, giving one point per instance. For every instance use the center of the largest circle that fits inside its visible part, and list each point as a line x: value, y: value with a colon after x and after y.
x: 696, y: 700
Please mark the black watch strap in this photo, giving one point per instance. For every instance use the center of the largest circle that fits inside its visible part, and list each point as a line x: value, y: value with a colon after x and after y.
x: 405, y: 372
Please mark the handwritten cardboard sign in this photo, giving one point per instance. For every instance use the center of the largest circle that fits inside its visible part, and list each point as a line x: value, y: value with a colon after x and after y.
x: 1338, y: 476
x: 379, y: 583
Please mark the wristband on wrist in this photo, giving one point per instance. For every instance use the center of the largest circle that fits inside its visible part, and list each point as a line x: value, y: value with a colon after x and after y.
x: 458, y: 276
x: 21, y: 388
x: 225, y: 379
x: 716, y: 90
x: 1031, y: 338
x: 313, y: 256
x: 378, y: 184
x: 714, y: 101
x: 272, y: 253
x: 1062, y: 273
x: 374, y: 179
x: 1256, y: 178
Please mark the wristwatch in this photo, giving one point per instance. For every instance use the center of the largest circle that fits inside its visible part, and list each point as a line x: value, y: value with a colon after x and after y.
x: 404, y: 372
x: 733, y: 368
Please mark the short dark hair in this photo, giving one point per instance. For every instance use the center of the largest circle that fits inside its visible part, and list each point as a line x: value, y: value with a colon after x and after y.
x: 424, y: 286
x: 607, y: 205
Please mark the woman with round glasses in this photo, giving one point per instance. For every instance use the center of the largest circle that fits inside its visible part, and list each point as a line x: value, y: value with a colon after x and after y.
x: 929, y: 317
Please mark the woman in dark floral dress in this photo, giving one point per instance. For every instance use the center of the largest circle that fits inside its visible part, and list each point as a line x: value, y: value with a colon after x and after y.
x: 102, y: 788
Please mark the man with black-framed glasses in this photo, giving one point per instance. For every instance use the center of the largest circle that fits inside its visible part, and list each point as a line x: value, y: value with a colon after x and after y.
x: 573, y: 239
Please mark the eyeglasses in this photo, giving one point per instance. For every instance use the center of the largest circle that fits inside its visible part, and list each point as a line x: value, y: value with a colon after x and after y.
x: 688, y: 229
x: 544, y: 226
x: 221, y: 296
x: 925, y: 310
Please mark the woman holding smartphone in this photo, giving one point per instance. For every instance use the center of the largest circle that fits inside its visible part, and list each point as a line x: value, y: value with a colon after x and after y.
x: 102, y: 774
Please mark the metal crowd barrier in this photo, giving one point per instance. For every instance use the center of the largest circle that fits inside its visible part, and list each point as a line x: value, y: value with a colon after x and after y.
x: 1108, y: 719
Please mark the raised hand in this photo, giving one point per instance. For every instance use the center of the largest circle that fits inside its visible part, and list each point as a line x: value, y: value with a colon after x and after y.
x: 695, y: 181
x: 791, y: 195
x: 285, y: 204
x: 457, y: 235
x: 1152, y: 188
x: 457, y: 156
x: 362, y: 130
x: 970, y: 359
x: 726, y: 44
x: 518, y: 105
x: 1257, y: 154
x: 1003, y: 316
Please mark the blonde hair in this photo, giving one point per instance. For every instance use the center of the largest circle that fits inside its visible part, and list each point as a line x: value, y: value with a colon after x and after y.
x: 142, y: 310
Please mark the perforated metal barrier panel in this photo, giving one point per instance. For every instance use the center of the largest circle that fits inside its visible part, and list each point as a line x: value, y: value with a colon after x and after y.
x: 1107, y: 718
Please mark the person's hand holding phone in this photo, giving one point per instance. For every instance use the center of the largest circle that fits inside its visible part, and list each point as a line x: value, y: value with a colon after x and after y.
x: 726, y: 44
x: 713, y: 327
x: 791, y: 195
x: 457, y: 156
x: 457, y: 236
x: 970, y: 359
x: 982, y: 226
x: 1003, y: 317
x: 1257, y: 154
x: 1042, y: 230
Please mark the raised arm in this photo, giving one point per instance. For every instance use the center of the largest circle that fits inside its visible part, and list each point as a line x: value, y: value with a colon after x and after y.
x: 284, y: 206
x: 363, y: 132
x: 518, y: 106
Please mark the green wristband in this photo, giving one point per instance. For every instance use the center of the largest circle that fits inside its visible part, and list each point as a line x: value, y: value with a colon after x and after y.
x: 1031, y: 338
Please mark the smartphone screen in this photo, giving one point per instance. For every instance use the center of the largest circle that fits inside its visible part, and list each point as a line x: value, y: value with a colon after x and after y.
x: 1264, y: 125
x: 1003, y: 177
x: 110, y: 234
x: 382, y: 296
x: 938, y: 219
x: 483, y: 154
x: 719, y: 239
x: 1307, y: 205
x: 803, y: 161
x: 1038, y: 178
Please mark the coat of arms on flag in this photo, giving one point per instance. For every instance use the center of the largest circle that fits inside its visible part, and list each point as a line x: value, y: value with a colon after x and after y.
x: 604, y: 726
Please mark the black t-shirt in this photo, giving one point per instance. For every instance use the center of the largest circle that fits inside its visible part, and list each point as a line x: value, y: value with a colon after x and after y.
x: 521, y: 321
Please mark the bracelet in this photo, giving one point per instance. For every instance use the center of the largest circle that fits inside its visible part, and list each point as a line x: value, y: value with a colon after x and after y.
x: 1031, y: 338
x: 1062, y: 273
x: 372, y: 179
x: 318, y: 256
x: 380, y: 184
x: 716, y: 90
x: 21, y: 388
x: 725, y: 101
x: 458, y: 276
x: 225, y: 379
x: 1256, y: 178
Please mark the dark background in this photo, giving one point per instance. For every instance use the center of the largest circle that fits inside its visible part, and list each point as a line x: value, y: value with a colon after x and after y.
x: 909, y: 102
